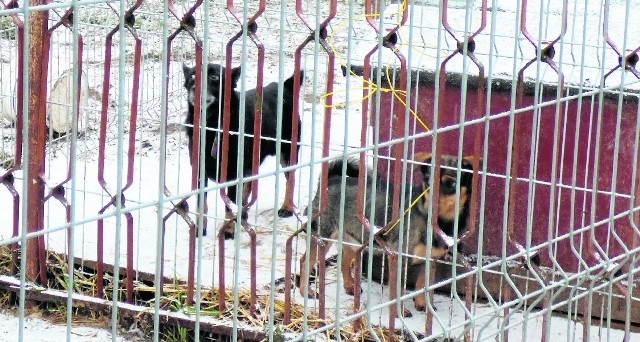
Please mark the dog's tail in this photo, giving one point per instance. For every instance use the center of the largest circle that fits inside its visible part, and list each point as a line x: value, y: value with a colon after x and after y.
x: 352, y: 167
x: 335, y: 177
x: 288, y: 84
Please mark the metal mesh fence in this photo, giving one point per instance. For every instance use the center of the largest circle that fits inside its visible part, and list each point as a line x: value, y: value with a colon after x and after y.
x: 425, y: 170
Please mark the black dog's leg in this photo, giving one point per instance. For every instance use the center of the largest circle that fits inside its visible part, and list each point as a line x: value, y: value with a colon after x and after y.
x: 288, y: 207
x: 229, y: 225
x: 202, y: 203
x: 229, y: 218
x: 205, y: 210
x: 199, y: 202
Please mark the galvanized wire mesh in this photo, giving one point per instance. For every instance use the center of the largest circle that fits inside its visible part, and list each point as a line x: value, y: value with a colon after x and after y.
x: 102, y: 197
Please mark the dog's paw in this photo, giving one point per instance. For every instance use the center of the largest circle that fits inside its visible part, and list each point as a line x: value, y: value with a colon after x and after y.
x: 285, y: 212
x: 420, y: 303
x: 311, y: 294
x: 350, y: 290
x: 228, y: 229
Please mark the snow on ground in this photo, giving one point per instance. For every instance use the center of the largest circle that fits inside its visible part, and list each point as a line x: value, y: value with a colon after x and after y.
x: 145, y: 190
x: 42, y: 330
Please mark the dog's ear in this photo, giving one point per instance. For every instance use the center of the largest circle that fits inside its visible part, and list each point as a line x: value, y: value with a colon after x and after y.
x: 186, y: 70
x: 288, y: 84
x: 235, y: 76
x: 467, y: 162
x: 424, y: 158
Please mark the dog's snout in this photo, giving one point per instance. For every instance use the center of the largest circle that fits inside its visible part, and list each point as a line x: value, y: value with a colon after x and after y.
x: 191, y: 97
x: 211, y: 99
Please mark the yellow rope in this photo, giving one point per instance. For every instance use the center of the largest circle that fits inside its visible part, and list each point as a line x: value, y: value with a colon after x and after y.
x: 426, y: 190
x: 370, y: 86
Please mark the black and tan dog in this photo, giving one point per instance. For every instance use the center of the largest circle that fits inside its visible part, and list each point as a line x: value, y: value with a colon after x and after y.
x: 214, y: 121
x: 415, y: 229
x: 413, y: 276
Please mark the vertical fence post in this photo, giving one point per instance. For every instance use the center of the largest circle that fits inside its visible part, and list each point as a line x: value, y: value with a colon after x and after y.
x: 38, y: 37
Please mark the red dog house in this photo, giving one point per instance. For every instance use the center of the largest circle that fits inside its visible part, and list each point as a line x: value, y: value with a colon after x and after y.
x: 589, y: 218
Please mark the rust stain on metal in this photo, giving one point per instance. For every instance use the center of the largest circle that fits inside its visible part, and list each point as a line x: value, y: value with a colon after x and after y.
x: 38, y: 38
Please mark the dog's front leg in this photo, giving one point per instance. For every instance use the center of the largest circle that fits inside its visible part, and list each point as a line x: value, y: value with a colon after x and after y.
x: 304, y: 273
x: 229, y: 225
x: 202, y: 203
x: 288, y: 207
x: 420, y: 301
x: 348, y: 257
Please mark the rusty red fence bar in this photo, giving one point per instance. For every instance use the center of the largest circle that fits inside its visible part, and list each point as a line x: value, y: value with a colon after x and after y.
x: 388, y: 41
x: 321, y: 32
x: 251, y: 33
x: 37, y: 84
x: 243, y: 206
x: 545, y: 55
x: 252, y: 28
x: 129, y: 22
x: 465, y: 47
x: 626, y: 60
x: 187, y: 24
x: 57, y: 191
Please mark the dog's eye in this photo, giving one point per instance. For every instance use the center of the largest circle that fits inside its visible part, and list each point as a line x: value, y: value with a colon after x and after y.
x: 450, y: 183
x: 214, y: 78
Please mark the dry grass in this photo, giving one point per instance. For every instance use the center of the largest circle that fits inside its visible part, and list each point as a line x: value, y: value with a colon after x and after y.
x: 174, y: 298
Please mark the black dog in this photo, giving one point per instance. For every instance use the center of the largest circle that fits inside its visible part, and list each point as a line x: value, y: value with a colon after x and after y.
x: 215, y: 101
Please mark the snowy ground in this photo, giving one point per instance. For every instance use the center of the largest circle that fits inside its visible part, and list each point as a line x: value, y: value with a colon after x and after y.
x: 88, y: 198
x: 38, y: 329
